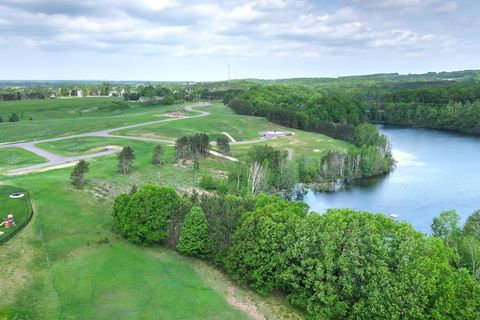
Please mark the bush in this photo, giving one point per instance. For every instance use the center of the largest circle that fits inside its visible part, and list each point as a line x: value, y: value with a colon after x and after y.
x: 194, y: 239
x: 144, y: 217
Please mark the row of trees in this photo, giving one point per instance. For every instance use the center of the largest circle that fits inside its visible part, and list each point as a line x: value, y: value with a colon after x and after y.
x: 341, y: 265
x: 191, y: 147
x: 463, y: 117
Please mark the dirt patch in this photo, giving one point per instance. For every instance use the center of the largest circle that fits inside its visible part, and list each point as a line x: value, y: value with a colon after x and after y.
x: 175, y: 114
x: 255, y: 306
x: 248, y: 308
x: 106, y: 148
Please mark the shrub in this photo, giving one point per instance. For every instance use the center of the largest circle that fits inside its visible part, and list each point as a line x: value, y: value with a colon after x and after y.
x: 144, y: 217
x: 194, y: 239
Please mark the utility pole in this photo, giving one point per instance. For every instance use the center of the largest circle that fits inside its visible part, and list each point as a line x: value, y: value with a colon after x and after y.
x: 229, y: 73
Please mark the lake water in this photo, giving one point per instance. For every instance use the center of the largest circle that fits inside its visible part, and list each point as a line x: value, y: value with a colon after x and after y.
x: 436, y: 171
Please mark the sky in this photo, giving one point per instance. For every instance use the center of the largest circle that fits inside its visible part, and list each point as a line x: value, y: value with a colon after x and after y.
x: 175, y: 40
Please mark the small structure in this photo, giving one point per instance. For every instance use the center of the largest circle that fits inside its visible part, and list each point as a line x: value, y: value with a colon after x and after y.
x: 76, y: 93
x: 8, y: 222
x: 16, y: 195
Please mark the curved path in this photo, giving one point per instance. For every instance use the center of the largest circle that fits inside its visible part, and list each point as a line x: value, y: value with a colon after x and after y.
x: 54, y: 160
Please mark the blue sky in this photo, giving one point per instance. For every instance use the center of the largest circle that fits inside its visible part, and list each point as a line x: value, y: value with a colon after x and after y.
x: 196, y: 40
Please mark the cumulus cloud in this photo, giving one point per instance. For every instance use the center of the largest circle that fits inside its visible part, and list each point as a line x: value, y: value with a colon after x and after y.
x: 253, y: 28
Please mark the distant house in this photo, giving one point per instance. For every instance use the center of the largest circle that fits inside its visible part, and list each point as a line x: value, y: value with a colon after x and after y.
x: 116, y: 93
x: 76, y: 93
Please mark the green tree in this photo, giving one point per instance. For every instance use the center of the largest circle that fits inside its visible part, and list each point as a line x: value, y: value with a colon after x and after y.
x: 472, y: 226
x: 256, y: 254
x: 194, y: 239
x: 144, y: 217
x: 13, y: 118
x: 157, y: 155
x: 446, y: 225
x: 78, y: 173
x: 125, y: 159
x: 223, y: 144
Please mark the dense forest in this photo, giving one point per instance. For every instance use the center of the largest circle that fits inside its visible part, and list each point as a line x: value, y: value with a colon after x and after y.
x: 455, y: 107
x: 343, y: 264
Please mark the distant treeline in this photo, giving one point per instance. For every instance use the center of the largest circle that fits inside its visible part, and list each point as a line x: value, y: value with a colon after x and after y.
x: 455, y: 107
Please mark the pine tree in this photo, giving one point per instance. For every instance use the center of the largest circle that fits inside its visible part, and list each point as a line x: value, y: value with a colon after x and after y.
x: 125, y: 159
x: 157, y: 155
x: 13, y: 118
x: 78, y: 174
x: 194, y: 239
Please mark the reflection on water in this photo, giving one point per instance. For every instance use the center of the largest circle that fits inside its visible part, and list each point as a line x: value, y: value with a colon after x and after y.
x: 435, y: 171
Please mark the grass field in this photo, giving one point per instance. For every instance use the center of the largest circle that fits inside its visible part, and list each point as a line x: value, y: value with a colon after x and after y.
x: 61, y: 117
x: 221, y: 119
x: 312, y: 145
x: 20, y: 208
x: 82, y: 270
x: 69, y: 264
x: 79, y: 146
x: 17, y: 157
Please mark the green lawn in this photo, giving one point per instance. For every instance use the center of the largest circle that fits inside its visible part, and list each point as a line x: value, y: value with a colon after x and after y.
x: 79, y: 146
x: 61, y: 117
x: 221, y: 119
x: 69, y: 264
x: 20, y: 208
x: 312, y: 145
x: 90, y: 272
x: 17, y: 157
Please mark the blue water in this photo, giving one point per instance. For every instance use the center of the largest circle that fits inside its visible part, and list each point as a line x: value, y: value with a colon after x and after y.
x: 435, y: 171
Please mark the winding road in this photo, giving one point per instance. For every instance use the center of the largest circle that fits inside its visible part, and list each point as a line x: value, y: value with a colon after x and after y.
x: 54, y: 160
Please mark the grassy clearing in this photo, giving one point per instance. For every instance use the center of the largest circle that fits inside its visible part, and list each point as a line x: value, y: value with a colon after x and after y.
x: 312, y: 145
x: 221, y: 119
x: 17, y: 157
x: 90, y: 274
x: 20, y: 208
x: 53, y: 118
x: 67, y: 263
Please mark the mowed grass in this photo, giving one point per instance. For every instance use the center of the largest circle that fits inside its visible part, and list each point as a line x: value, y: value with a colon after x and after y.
x: 62, y: 117
x: 312, y: 145
x: 16, y: 157
x: 19, y: 207
x: 79, y: 146
x: 221, y: 119
x: 82, y: 270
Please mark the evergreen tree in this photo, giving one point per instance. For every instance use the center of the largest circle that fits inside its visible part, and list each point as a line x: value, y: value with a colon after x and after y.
x: 194, y: 239
x: 125, y: 159
x: 78, y: 174
x: 223, y: 144
x: 157, y: 155
x: 13, y: 118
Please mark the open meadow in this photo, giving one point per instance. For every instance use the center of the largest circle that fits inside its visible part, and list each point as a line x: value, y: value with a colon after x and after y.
x: 68, y: 263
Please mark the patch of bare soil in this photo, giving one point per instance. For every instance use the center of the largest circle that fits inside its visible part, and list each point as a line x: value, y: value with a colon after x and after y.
x: 255, y: 306
x: 106, y: 148
x: 175, y: 114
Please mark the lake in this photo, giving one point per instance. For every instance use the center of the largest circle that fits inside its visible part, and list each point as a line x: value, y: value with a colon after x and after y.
x: 435, y: 171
